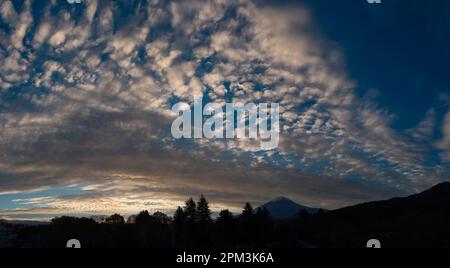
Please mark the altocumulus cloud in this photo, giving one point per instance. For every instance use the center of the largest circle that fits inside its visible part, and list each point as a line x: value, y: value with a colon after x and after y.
x: 87, y: 90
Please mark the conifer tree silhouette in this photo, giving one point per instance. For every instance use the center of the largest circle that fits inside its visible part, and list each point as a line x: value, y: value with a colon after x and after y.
x: 178, y: 217
x: 247, y: 213
x: 203, y: 211
x: 190, y: 211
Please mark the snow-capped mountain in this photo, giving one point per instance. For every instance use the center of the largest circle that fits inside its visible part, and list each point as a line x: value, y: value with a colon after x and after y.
x: 284, y: 208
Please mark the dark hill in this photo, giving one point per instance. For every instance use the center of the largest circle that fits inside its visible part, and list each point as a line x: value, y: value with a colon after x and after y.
x: 421, y: 220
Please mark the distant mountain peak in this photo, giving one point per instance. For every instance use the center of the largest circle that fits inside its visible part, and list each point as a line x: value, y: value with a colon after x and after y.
x: 284, y: 208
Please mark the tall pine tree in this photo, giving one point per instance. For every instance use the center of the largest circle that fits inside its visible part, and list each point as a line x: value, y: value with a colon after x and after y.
x: 203, y: 211
x: 247, y: 213
x: 190, y: 211
x: 178, y: 217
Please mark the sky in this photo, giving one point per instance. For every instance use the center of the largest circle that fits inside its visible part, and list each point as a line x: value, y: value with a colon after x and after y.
x: 86, y: 96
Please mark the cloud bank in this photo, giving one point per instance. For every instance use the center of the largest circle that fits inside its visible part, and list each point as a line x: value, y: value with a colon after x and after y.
x: 87, y: 90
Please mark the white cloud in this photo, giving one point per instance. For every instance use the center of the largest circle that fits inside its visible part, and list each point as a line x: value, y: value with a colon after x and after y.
x: 91, y: 10
x: 25, y: 21
x: 8, y: 12
x: 444, y: 144
x: 59, y: 37
x: 42, y: 34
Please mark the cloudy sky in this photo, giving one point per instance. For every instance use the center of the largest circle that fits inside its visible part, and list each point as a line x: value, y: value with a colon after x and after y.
x: 86, y: 92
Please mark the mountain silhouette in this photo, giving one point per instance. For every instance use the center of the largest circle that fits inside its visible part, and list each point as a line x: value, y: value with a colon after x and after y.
x: 417, y: 221
x: 433, y: 200
x: 283, y: 208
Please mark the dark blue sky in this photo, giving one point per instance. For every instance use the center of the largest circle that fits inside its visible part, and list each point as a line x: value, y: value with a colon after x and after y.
x: 399, y: 47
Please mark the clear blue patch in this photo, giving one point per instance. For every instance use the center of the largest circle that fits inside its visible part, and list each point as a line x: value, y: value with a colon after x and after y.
x: 6, y: 201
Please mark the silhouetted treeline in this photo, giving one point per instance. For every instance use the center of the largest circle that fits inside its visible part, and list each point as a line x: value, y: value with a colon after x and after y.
x: 417, y: 221
x: 191, y: 226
